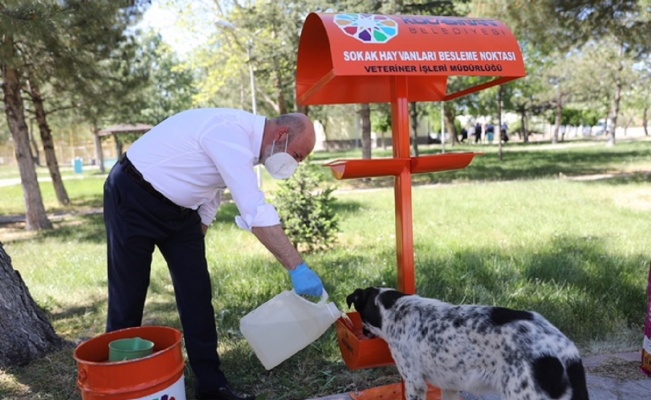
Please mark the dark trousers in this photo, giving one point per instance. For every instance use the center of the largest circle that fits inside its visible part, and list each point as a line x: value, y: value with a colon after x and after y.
x: 136, y: 222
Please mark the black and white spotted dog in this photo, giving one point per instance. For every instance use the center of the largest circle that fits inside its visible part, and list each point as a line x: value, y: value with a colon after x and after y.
x: 477, y: 349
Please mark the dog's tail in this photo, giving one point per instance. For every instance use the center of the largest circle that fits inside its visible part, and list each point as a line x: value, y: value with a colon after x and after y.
x: 576, y: 375
x: 553, y: 377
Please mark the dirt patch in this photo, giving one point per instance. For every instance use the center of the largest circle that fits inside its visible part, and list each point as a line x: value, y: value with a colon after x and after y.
x: 617, y: 368
x: 8, y: 235
x: 12, y: 227
x: 638, y: 200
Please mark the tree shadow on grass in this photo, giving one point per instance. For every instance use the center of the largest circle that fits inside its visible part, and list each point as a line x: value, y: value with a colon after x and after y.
x: 79, y: 228
x: 70, y: 227
x: 55, y: 375
x: 588, y: 293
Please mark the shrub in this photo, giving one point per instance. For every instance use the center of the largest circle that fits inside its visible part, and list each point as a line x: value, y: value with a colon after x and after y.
x: 306, y: 209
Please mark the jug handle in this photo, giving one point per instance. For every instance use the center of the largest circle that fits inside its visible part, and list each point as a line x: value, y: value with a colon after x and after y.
x: 324, y: 298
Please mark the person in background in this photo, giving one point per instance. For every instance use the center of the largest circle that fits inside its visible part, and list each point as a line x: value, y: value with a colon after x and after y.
x: 464, y: 134
x: 504, y: 132
x: 477, y: 132
x: 165, y: 192
x: 471, y: 132
x: 490, y: 133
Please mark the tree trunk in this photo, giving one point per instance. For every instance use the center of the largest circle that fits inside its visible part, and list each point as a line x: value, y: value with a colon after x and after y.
x: 498, y: 128
x: 99, y: 153
x: 450, y: 116
x: 279, y: 81
x: 48, y: 143
x: 414, y: 127
x: 303, y: 109
x: 645, y: 121
x: 282, y: 104
x: 35, y: 216
x: 523, y: 119
x: 612, y: 128
x: 24, y: 327
x: 36, y: 154
x: 627, y: 125
x: 559, y: 118
x: 365, y: 116
x: 118, y: 145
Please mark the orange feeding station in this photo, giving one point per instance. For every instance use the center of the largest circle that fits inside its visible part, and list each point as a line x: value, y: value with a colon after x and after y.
x: 397, y: 59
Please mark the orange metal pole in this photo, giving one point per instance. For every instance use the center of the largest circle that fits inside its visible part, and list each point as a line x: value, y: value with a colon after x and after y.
x: 402, y: 188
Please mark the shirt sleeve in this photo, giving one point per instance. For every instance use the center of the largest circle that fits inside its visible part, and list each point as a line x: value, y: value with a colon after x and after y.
x: 266, y: 215
x: 231, y: 152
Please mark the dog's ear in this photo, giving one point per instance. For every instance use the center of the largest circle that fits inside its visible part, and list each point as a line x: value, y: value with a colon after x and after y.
x: 355, y: 297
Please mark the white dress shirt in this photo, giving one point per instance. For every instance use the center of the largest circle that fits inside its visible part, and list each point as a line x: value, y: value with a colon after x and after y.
x: 193, y: 156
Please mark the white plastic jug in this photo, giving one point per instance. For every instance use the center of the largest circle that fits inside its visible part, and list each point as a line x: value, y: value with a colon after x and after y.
x: 286, y: 324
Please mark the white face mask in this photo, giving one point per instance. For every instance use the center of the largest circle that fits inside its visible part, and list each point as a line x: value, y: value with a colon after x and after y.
x: 280, y: 165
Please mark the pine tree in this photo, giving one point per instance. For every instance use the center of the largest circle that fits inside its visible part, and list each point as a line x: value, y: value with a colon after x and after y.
x: 58, y: 45
x: 307, y: 209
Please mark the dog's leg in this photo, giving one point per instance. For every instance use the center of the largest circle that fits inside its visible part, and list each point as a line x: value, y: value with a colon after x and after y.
x: 447, y: 394
x: 415, y: 389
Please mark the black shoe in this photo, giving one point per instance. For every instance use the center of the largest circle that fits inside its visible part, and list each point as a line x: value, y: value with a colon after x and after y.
x: 225, y: 393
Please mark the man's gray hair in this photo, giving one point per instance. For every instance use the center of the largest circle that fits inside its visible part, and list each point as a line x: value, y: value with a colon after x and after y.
x: 294, y: 122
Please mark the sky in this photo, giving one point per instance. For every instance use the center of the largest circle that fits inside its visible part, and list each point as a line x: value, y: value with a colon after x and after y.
x: 183, y: 32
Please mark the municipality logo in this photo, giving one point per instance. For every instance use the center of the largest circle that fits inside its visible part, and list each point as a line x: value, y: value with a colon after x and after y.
x: 367, y: 28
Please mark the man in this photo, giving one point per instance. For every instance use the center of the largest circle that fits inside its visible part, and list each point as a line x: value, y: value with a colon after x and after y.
x: 165, y: 192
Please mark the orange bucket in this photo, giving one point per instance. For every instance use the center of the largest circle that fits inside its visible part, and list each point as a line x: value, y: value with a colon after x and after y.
x: 158, y: 376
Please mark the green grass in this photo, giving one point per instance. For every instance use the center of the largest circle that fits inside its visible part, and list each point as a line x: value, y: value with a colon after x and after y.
x: 517, y: 233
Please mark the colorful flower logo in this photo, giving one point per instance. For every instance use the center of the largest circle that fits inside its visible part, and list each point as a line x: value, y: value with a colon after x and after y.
x: 367, y: 28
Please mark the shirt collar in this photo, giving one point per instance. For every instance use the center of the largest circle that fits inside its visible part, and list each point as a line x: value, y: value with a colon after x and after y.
x: 258, y: 133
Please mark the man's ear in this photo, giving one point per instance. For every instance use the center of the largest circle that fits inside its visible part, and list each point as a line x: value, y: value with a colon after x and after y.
x: 280, y: 134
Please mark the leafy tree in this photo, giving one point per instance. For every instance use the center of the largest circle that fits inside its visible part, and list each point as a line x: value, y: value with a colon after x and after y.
x: 381, y: 121
x: 522, y: 96
x: 106, y: 85
x: 169, y: 87
x: 639, y: 97
x: 253, y: 38
x: 149, y: 87
x: 556, y: 27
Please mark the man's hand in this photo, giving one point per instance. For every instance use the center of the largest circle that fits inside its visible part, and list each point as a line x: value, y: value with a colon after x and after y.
x: 305, y: 281
x: 204, y: 229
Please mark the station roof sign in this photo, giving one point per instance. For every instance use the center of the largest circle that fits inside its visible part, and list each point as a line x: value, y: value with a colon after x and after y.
x: 352, y: 58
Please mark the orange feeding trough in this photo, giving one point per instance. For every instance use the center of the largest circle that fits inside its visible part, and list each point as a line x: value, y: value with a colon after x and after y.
x: 397, y: 59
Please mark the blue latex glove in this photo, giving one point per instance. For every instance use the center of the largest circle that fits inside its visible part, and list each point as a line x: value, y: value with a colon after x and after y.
x: 306, y: 281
